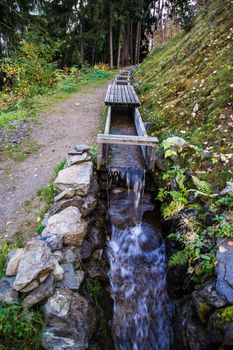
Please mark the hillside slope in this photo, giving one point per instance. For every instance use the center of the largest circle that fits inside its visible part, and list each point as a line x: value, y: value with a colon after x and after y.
x: 187, y: 90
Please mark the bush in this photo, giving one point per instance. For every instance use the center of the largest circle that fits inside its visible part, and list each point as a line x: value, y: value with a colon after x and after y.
x: 27, y: 71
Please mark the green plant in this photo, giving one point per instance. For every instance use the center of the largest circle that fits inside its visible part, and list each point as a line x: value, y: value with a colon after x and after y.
x: 222, y: 228
x: 4, y: 250
x: 20, y: 328
x: 203, y: 188
x: 94, y: 153
x: 93, y: 288
x: 39, y: 228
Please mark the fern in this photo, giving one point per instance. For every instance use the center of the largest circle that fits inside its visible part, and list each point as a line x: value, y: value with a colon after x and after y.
x: 202, y: 186
x: 180, y: 258
x: 172, y: 209
x: 178, y: 197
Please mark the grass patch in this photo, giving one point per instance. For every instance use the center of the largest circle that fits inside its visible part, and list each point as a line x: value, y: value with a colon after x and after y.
x: 20, y: 328
x: 47, y: 193
x: 20, y: 152
x: 22, y: 108
x: 4, y: 250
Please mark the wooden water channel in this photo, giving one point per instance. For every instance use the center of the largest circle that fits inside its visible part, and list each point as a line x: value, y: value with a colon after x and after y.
x: 124, y: 128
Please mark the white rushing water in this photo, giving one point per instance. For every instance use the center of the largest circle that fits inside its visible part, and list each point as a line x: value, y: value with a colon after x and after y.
x: 138, y: 276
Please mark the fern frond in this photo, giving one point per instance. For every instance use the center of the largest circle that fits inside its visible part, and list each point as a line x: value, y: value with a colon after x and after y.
x: 202, y: 186
x: 172, y: 209
x: 180, y: 258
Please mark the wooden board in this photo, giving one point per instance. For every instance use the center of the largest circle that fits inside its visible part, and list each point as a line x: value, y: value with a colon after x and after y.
x: 121, y: 95
x: 127, y: 140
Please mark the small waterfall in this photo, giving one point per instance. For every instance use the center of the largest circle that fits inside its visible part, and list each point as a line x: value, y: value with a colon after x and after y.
x: 137, y: 269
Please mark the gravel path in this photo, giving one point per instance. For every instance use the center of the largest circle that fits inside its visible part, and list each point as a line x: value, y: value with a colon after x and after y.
x: 71, y: 122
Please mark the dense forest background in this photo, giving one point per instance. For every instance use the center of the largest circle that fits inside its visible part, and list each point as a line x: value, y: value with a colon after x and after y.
x: 78, y: 32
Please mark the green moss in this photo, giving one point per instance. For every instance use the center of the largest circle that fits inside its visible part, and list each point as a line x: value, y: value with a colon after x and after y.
x: 226, y: 314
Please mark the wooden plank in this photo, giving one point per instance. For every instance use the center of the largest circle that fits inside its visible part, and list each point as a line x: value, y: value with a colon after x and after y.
x: 123, y: 94
x: 108, y: 93
x: 99, y: 155
x: 140, y: 127
x: 134, y: 94
x: 127, y: 140
x: 108, y: 121
x: 127, y: 94
x: 111, y: 94
x: 115, y: 97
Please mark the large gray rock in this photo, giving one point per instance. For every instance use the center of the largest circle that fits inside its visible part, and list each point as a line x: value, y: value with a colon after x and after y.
x: 69, y: 224
x: 69, y: 279
x: 224, y: 269
x: 54, y: 241
x: 7, y: 293
x: 77, y: 177
x: 206, y: 299
x: 36, y: 262
x: 44, y: 290
x: 228, y: 190
x: 76, y: 201
x: 88, y: 206
x: 78, y: 159
x: 13, y: 264
x: 175, y: 142
x: 68, y: 193
x: 190, y: 333
x: 70, y: 321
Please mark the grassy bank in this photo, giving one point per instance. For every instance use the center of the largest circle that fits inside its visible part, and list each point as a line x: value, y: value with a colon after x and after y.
x: 186, y: 88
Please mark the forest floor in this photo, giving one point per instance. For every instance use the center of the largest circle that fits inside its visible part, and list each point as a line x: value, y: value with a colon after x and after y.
x: 68, y: 123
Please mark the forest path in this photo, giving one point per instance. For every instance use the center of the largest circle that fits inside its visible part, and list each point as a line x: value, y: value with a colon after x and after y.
x: 71, y: 122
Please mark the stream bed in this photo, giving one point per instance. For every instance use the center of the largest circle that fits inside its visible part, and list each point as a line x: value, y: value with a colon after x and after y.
x: 142, y: 310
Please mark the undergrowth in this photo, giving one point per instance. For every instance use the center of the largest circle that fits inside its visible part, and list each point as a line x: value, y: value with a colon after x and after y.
x: 187, y: 88
x: 20, y: 328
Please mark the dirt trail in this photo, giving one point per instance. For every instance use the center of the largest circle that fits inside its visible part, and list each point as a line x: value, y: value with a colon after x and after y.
x: 71, y: 122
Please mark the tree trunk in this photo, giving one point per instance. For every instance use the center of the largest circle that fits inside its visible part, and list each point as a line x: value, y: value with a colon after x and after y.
x: 110, y: 39
x: 131, y: 42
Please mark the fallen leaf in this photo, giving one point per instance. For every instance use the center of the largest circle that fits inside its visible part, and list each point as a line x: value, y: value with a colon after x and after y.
x: 230, y: 243
x: 222, y: 249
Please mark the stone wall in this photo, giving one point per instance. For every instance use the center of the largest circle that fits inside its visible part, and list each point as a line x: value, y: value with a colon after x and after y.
x: 64, y: 269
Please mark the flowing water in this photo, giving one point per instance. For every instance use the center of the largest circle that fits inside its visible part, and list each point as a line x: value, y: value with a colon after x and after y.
x: 137, y: 268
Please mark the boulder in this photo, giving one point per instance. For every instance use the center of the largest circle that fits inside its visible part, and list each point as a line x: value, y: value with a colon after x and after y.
x: 77, y: 176
x: 78, y: 159
x: 224, y: 269
x: 36, y: 262
x: 222, y: 320
x: 76, y: 201
x: 70, y: 280
x: 70, y: 321
x: 68, y: 193
x: 69, y: 224
x: 44, y: 290
x: 190, y: 333
x: 88, y: 206
x: 58, y: 271
x: 58, y: 255
x: 228, y: 190
x: 7, y: 293
x: 86, y: 249
x: 174, y: 142
x: 54, y: 241
x: 13, y: 264
x: 206, y: 299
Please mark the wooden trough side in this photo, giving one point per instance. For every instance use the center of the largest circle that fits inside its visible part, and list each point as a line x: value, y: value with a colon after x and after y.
x: 121, y: 94
x: 149, y: 143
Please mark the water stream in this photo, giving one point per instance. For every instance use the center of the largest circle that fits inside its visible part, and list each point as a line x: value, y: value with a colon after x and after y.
x: 137, y: 267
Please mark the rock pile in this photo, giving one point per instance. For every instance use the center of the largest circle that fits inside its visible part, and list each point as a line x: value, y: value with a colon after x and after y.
x: 49, y: 269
